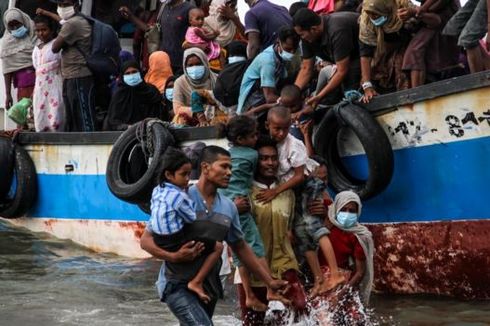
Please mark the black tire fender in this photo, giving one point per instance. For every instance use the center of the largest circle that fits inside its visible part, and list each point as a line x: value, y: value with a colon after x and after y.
x: 128, y: 175
x: 374, y: 141
x: 17, y: 203
x: 6, y: 165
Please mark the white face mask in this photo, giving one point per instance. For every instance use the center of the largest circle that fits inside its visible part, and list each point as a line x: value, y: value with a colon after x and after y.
x: 66, y: 12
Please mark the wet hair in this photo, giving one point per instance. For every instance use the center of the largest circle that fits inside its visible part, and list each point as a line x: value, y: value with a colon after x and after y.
x: 210, y: 154
x: 320, y: 160
x: 51, y: 23
x: 236, y: 49
x: 265, y: 141
x: 172, y: 160
x: 306, y: 19
x: 291, y: 91
x: 240, y: 126
x: 280, y: 112
x: 286, y: 33
x: 293, y: 9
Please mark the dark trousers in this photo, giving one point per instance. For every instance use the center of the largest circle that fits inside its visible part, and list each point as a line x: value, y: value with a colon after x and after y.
x: 79, y: 98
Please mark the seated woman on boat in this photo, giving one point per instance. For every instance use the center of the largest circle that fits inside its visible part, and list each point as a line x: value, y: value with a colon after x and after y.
x: 351, y: 242
x: 193, y: 92
x: 133, y: 101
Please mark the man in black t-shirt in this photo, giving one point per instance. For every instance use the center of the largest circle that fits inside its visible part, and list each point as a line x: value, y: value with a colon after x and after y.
x: 335, y: 39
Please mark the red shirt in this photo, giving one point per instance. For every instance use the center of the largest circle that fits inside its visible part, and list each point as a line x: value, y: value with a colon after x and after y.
x: 345, y: 245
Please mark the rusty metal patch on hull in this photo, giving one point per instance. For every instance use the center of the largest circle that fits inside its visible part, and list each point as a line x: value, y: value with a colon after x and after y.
x: 443, y: 258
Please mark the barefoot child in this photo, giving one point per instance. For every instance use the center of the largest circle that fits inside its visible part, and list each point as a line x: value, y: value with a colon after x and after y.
x: 294, y: 164
x: 196, y: 35
x: 172, y: 211
x: 242, y: 133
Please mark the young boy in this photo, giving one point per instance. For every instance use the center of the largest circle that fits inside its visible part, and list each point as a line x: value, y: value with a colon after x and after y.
x: 294, y: 164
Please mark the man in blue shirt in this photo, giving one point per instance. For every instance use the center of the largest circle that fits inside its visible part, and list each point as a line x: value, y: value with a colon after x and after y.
x: 217, y: 218
x: 262, y: 22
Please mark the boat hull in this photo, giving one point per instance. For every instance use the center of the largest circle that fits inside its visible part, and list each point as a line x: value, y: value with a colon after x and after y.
x: 431, y: 225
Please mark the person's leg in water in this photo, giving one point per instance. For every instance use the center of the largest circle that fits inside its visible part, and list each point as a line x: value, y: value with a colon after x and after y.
x: 186, y: 307
x: 195, y: 285
x: 251, y: 301
x: 336, y: 278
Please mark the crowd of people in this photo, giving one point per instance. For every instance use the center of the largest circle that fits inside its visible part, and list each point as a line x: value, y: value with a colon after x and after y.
x: 268, y: 80
x: 195, y: 63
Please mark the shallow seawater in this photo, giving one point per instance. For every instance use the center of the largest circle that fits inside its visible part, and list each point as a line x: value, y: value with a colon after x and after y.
x: 45, y: 281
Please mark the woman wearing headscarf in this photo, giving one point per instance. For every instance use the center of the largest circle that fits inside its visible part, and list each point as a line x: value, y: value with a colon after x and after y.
x: 133, y: 101
x: 223, y: 17
x: 168, y: 96
x: 196, y: 80
x: 351, y: 241
x: 383, y: 41
x: 17, y: 45
x: 160, y: 70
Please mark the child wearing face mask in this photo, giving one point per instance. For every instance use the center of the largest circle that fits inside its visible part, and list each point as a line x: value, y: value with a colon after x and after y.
x: 352, y: 242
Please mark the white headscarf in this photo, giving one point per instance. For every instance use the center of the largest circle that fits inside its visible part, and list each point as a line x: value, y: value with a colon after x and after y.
x: 226, y: 27
x: 363, y: 235
x: 16, y: 53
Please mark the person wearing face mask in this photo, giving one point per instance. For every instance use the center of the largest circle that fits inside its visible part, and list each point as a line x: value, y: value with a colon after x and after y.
x: 351, y: 242
x: 197, y: 77
x: 266, y: 74
x: 75, y: 38
x: 168, y: 97
x: 134, y: 100
x: 17, y: 45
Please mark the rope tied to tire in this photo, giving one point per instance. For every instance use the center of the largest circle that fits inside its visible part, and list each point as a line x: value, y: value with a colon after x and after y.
x: 134, y: 161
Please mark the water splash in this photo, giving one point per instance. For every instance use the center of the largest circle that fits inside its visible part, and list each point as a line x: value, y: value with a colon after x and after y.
x: 342, y: 307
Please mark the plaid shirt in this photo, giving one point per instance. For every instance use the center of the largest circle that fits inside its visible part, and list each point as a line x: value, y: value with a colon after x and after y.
x: 171, y: 207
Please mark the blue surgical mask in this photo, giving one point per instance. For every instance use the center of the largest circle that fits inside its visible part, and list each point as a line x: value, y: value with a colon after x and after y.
x: 379, y: 21
x: 19, y: 32
x: 195, y: 72
x: 347, y: 219
x: 169, y: 94
x: 133, y: 79
x: 236, y: 59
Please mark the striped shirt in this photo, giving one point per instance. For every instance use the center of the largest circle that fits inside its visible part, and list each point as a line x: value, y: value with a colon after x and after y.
x: 171, y: 207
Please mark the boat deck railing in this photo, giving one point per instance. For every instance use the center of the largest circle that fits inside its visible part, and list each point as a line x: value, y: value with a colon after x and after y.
x: 379, y: 105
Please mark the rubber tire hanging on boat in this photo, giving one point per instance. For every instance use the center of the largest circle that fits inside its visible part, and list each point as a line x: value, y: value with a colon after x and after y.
x: 6, y: 165
x: 25, y: 194
x: 128, y: 174
x: 374, y: 141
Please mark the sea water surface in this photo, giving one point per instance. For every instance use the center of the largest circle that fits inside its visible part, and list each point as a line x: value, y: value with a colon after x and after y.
x: 45, y: 281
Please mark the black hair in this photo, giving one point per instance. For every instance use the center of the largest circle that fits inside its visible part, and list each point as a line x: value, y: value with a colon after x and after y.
x: 320, y: 160
x: 286, y: 33
x: 172, y: 160
x: 265, y: 141
x: 306, y: 19
x: 240, y: 126
x: 236, y: 49
x: 210, y: 154
x: 291, y: 91
x: 48, y: 21
x: 279, y: 111
x: 293, y: 9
